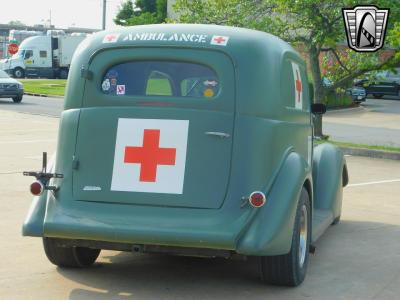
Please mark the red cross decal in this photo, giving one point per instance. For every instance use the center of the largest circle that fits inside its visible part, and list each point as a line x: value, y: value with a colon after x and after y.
x: 298, y: 86
x: 219, y: 40
x: 110, y: 37
x: 150, y: 155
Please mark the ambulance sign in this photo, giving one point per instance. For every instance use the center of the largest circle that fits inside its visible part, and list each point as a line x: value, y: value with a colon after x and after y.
x: 150, y: 156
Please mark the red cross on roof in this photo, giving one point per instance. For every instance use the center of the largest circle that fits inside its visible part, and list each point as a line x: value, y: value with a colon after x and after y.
x: 219, y: 40
x: 110, y: 37
x: 150, y: 155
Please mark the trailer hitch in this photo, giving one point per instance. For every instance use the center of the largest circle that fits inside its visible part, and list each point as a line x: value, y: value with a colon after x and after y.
x: 42, y: 178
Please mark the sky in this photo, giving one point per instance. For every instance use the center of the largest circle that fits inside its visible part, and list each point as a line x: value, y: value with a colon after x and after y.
x: 64, y: 13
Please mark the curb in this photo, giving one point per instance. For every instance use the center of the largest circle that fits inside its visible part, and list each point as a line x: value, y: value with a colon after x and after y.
x: 43, y: 95
x: 371, y: 153
x: 37, y: 95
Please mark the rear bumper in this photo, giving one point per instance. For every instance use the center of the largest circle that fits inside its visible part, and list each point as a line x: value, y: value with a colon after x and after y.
x: 187, y: 251
x: 249, y: 232
x: 181, y: 227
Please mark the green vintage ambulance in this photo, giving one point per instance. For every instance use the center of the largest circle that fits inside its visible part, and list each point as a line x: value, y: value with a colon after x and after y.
x: 188, y: 140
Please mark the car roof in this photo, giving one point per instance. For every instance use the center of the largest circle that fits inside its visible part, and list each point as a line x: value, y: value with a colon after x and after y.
x: 185, y: 35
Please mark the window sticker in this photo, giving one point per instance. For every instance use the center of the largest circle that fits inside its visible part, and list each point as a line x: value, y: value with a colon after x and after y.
x: 106, y: 85
x: 212, y: 83
x: 121, y: 89
x: 208, y: 93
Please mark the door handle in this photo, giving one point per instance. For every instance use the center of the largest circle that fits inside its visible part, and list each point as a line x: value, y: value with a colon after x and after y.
x: 218, y: 134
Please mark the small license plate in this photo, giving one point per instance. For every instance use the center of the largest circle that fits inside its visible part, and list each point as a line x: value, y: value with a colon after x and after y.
x: 359, y: 97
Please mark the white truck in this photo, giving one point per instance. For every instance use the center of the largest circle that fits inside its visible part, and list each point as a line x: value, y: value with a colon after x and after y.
x: 43, y: 56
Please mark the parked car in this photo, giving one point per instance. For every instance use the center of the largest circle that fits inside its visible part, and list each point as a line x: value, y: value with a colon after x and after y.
x: 199, y: 142
x: 10, y: 88
x: 387, y: 84
x: 357, y: 93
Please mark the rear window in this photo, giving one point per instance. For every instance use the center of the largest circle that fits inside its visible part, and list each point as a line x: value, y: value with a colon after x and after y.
x: 161, y: 78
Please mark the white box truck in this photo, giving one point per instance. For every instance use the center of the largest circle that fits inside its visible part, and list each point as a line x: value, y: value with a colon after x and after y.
x: 43, y: 56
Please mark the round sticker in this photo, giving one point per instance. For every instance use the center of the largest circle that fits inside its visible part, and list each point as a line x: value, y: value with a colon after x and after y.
x: 208, y: 93
x: 212, y: 83
x: 106, y: 85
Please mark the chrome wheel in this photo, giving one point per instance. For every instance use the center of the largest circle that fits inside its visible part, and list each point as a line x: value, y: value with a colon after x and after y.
x: 303, y: 235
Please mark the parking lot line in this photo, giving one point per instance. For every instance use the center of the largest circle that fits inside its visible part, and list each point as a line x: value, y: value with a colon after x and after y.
x: 374, y: 182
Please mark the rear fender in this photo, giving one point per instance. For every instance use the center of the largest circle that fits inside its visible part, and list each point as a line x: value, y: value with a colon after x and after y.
x: 271, y: 230
x: 33, y: 224
x: 330, y: 176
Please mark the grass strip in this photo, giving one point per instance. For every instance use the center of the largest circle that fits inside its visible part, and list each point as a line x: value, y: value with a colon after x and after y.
x: 55, y: 87
x: 360, y: 146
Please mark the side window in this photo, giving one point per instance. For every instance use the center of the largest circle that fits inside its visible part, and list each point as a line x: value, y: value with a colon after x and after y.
x: 28, y: 54
x: 43, y: 54
x: 161, y: 78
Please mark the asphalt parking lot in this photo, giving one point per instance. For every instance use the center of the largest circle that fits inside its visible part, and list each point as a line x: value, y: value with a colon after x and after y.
x: 357, y: 259
x: 374, y: 122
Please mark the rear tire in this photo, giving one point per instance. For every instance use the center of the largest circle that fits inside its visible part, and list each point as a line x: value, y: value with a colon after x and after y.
x: 377, y: 96
x: 69, y: 257
x: 17, y: 99
x: 290, y: 269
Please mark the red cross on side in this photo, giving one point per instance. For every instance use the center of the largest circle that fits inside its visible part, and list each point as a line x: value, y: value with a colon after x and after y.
x: 150, y: 155
x: 219, y: 40
x: 298, y: 86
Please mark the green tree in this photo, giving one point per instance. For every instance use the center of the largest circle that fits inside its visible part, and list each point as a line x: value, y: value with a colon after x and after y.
x: 146, y: 5
x: 16, y: 23
x: 125, y: 12
x: 141, y: 12
x: 313, y: 25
